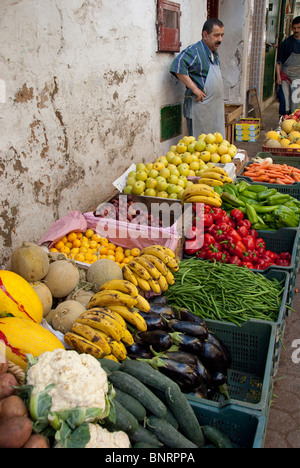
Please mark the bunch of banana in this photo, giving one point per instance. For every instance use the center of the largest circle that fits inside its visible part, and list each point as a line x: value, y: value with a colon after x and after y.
x: 152, y: 269
x: 201, y: 193
x: 215, y: 176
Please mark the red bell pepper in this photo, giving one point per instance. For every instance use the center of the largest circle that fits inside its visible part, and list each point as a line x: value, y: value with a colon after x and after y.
x: 208, y: 240
x: 237, y: 214
x: 249, y: 242
x: 248, y: 265
x: 260, y: 244
x: 243, y: 231
x: 216, y: 213
x: 244, y: 222
x: 235, y: 260
x: 237, y: 249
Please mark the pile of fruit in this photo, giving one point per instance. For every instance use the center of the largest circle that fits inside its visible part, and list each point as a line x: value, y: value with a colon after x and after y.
x: 168, y: 176
x: 231, y: 240
x: 287, y: 135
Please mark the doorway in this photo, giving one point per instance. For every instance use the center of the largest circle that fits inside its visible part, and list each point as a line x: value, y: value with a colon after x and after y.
x: 272, y: 36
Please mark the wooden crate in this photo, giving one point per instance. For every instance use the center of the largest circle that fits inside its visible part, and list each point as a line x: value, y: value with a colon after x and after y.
x: 232, y: 112
x: 230, y: 132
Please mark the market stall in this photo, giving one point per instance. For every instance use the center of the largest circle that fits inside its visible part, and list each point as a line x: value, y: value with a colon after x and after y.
x: 155, y: 320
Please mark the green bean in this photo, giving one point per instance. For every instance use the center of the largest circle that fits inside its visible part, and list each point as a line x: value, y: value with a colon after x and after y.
x: 225, y: 292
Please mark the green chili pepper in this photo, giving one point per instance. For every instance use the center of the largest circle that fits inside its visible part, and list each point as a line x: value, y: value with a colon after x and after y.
x: 242, y: 186
x: 251, y: 214
x: 267, y: 193
x: 232, y: 200
x: 228, y: 188
x: 261, y: 227
x: 256, y: 188
x: 247, y: 200
x: 218, y: 189
x: 265, y: 209
x: 249, y: 194
x: 278, y: 199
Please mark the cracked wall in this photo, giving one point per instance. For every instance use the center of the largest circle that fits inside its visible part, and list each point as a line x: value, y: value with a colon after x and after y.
x: 84, y: 86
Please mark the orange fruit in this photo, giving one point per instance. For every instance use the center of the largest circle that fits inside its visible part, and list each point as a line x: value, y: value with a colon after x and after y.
x: 103, y: 241
x: 79, y: 257
x: 135, y: 252
x: 96, y: 237
x: 119, y: 256
x: 71, y: 236
x: 111, y: 246
x: 76, y: 243
x: 64, y: 239
x: 127, y: 252
x: 89, y: 233
x: 93, y: 244
x: 79, y: 235
x: 59, y: 245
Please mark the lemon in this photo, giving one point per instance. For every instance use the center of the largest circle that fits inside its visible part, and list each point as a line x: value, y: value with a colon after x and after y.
x: 205, y: 156
x: 225, y: 159
x: 215, y: 158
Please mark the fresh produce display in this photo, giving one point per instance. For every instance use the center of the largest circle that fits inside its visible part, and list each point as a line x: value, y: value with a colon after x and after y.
x: 231, y: 239
x: 287, y: 136
x: 220, y: 291
x: 153, y: 411
x: 281, y: 174
x: 266, y: 209
x: 168, y: 176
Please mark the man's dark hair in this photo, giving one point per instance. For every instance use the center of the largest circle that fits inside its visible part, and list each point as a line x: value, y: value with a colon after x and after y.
x: 210, y: 23
x: 296, y: 20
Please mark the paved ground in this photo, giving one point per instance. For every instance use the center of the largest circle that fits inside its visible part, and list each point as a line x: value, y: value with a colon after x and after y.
x: 283, y: 430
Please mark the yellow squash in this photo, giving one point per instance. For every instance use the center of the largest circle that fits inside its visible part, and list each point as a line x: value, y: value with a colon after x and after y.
x: 23, y: 337
x: 18, y: 298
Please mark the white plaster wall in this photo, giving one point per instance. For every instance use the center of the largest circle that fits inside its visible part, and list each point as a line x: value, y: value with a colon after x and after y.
x: 81, y: 88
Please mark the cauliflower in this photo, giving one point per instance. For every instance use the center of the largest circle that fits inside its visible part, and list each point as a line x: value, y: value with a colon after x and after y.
x: 79, y: 379
x: 102, y: 438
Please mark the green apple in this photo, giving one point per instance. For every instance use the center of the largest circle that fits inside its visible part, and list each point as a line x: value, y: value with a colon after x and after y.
x: 128, y: 189
x: 173, y: 179
x: 183, y: 179
x: 132, y: 174
x: 181, y: 183
x: 131, y: 180
x: 170, y: 155
x: 177, y: 160
x: 175, y: 172
x: 187, y: 158
x: 189, y: 183
x: 149, y: 166
x: 172, y: 188
x: 140, y: 167
x: 200, y: 145
x: 162, y: 185
x: 150, y: 192
x: 141, y: 175
x: 165, y: 172
x: 173, y: 196
x: 191, y: 147
x: 162, y: 194
x: 138, y: 187
x: 180, y: 193
x: 184, y: 169
x: 153, y: 173
x: 151, y: 183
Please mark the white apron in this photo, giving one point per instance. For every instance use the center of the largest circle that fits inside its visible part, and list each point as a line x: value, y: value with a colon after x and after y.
x: 209, y: 116
x: 292, y: 69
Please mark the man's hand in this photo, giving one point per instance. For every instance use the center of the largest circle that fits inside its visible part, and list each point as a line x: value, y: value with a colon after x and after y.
x: 188, y: 82
x: 200, y: 96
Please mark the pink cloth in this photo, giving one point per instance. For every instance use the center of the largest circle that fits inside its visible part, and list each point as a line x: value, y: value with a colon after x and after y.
x: 73, y: 221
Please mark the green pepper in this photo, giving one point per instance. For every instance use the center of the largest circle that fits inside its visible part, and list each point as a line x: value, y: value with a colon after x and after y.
x: 241, y: 186
x: 247, y: 200
x: 228, y: 188
x: 268, y: 218
x: 218, y: 189
x: 287, y: 217
x: 264, y: 209
x: 261, y: 227
x: 256, y: 188
x: 232, y: 200
x: 267, y: 193
x: 278, y: 199
x: 249, y: 194
x: 251, y: 214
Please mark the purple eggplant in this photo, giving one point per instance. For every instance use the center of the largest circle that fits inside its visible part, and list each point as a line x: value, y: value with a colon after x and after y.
x: 187, y: 316
x: 215, y: 340
x: 193, y: 361
x: 212, y: 357
x: 137, y: 350
x: 159, y: 300
x: 163, y: 310
x: 189, y: 328
x: 159, y: 340
x: 154, y: 321
x: 191, y: 344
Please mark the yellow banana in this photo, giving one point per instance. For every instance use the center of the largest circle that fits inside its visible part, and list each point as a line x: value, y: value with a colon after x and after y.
x: 205, y: 200
x: 170, y: 278
x: 105, y: 298
x: 142, y: 304
x: 163, y: 283
x: 118, y: 350
x: 139, y: 270
x: 127, y: 339
x: 218, y: 170
x: 120, y: 285
x: 154, y: 285
x: 106, y: 325
x: 195, y: 188
x: 93, y: 335
x: 157, y: 251
x: 111, y: 357
x: 107, y: 311
x: 128, y: 275
x: 211, y: 182
x: 131, y: 316
x: 161, y: 266
x: 154, y: 272
x: 168, y: 251
x: 143, y: 284
x: 216, y: 176
x: 82, y: 345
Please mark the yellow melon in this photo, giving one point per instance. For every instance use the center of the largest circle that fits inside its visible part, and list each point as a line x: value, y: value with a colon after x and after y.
x: 18, y: 298
x: 23, y: 337
x: 289, y: 125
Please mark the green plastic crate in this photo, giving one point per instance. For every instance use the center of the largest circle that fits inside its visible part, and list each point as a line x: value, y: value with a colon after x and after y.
x: 245, y: 428
x: 285, y: 240
x: 250, y: 377
x: 292, y: 190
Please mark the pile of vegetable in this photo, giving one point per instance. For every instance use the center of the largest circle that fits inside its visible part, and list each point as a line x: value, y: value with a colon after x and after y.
x: 151, y: 408
x: 180, y: 345
x: 266, y: 208
x: 220, y: 291
x: 272, y: 173
x: 231, y: 240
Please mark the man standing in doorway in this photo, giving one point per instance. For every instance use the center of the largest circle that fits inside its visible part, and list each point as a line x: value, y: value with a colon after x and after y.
x: 198, y: 67
x: 288, y: 66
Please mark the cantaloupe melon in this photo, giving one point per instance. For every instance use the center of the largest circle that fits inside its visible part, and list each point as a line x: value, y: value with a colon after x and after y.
x: 23, y: 337
x: 103, y: 270
x: 44, y: 294
x: 30, y: 261
x: 62, y: 277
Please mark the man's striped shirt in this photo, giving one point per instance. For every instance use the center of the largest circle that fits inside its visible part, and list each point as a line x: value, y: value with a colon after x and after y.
x: 195, y: 62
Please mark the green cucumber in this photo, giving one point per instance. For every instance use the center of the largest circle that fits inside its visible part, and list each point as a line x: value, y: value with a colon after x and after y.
x: 171, y: 419
x: 167, y: 434
x: 108, y: 364
x: 145, y: 373
x: 185, y: 416
x: 216, y: 437
x: 125, y: 421
x: 138, y: 390
x: 142, y: 435
x: 131, y: 404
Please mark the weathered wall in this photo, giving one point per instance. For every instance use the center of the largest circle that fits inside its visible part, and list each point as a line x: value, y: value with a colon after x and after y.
x: 84, y: 86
